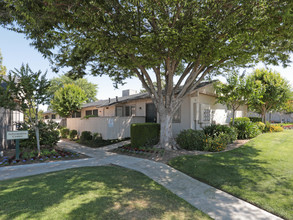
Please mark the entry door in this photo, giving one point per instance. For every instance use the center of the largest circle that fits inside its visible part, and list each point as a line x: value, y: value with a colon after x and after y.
x: 151, y: 113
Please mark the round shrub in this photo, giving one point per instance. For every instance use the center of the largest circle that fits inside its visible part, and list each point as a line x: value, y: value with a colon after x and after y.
x: 64, y: 132
x: 86, y: 136
x: 217, y: 143
x: 239, y: 120
x: 247, y: 129
x: 276, y: 128
x: 261, y: 126
x: 191, y: 139
x: 97, y: 137
x: 216, y: 130
x: 72, y: 134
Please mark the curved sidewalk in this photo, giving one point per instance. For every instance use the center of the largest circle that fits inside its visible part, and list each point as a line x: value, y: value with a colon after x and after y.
x: 214, y: 202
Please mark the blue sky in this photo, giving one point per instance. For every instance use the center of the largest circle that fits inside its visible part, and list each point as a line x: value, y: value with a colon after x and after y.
x: 16, y: 50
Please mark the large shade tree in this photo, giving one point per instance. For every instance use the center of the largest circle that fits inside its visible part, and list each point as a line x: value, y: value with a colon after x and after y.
x: 151, y: 39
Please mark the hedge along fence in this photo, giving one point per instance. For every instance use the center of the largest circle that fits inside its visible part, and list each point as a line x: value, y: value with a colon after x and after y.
x: 143, y: 134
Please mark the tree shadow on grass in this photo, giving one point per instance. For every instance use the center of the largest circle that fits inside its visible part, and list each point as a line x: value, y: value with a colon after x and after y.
x: 90, y: 193
x: 245, y: 173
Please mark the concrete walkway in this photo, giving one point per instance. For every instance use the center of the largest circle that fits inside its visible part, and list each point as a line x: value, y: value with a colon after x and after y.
x: 214, y: 202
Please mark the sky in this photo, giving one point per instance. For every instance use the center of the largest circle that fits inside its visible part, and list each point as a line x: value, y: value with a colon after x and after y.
x: 16, y: 49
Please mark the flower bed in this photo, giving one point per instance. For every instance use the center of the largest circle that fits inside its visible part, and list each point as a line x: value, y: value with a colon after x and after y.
x: 287, y: 126
x: 143, y: 151
x: 31, y: 156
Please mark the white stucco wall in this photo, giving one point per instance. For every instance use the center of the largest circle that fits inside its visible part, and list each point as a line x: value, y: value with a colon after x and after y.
x: 109, y: 127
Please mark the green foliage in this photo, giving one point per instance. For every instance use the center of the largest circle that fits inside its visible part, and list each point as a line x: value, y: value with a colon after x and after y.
x: 273, y: 128
x: 233, y: 94
x: 25, y: 91
x: 2, y: 68
x: 144, y: 134
x: 97, y: 137
x: 191, y: 139
x: 276, y: 128
x: 217, y: 143
x: 241, y: 119
x: 86, y: 136
x: 255, y: 119
x: 64, y: 132
x: 261, y: 126
x: 68, y: 100
x: 189, y: 39
x: 217, y: 130
x: 246, y: 129
x: 49, y: 134
x: 89, y: 88
x: 268, y: 91
x: 73, y: 134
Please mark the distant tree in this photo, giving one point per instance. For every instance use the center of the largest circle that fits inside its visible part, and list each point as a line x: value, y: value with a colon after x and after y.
x: 2, y: 68
x: 233, y: 94
x: 89, y: 88
x: 268, y: 91
x: 146, y: 38
x: 68, y: 99
x: 25, y: 91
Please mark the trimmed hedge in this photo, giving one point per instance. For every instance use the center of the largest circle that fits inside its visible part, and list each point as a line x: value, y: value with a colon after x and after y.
x: 64, y: 132
x: 86, y: 136
x: 191, y: 139
x: 72, y: 134
x: 143, y: 134
x: 255, y: 119
x: 215, y: 130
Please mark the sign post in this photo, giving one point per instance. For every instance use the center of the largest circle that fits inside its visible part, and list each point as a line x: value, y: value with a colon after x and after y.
x: 17, y: 135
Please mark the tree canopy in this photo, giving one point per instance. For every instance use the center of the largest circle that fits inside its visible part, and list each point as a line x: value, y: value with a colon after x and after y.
x: 268, y: 91
x: 25, y: 90
x: 146, y: 38
x: 234, y: 93
x: 2, y: 68
x: 68, y: 99
x: 89, y: 88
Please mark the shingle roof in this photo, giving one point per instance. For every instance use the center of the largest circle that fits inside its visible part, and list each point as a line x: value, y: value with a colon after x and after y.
x: 113, y: 101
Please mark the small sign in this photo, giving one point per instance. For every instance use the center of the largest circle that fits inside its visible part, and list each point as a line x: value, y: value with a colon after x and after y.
x: 15, y: 135
x: 110, y: 122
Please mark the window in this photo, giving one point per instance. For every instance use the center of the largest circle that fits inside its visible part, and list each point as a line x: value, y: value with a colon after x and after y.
x: 206, y: 115
x: 76, y: 115
x: 177, y: 116
x: 46, y: 116
x: 133, y: 110
x: 95, y: 112
x: 127, y: 111
x: 119, y: 111
x: 88, y: 112
x: 53, y: 116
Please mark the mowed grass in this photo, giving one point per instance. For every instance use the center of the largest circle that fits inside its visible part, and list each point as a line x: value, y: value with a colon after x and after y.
x: 91, y: 193
x: 260, y: 172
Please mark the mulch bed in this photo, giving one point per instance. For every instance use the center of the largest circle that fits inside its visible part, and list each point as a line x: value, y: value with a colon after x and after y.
x: 9, y: 157
x: 163, y: 156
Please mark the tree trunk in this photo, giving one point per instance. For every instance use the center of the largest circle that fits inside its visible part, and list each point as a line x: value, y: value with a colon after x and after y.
x: 264, y: 112
x: 233, y: 116
x: 38, y: 140
x: 166, y: 134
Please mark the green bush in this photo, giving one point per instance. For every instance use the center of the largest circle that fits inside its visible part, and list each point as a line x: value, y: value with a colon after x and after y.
x: 217, y: 143
x: 49, y: 134
x: 261, y: 126
x: 143, y: 134
x: 246, y: 129
x: 267, y: 127
x: 64, y: 132
x: 216, y: 130
x: 72, y: 134
x: 255, y: 119
x: 191, y: 139
x: 86, y: 136
x: 241, y: 119
x: 276, y: 128
x: 97, y: 137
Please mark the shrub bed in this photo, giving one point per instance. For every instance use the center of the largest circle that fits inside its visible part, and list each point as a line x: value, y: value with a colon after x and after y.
x: 150, y: 131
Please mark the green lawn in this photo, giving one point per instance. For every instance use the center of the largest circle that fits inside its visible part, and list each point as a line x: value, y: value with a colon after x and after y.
x: 91, y: 193
x: 260, y: 172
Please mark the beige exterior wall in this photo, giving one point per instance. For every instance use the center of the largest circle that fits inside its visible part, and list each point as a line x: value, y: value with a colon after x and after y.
x: 109, y: 127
